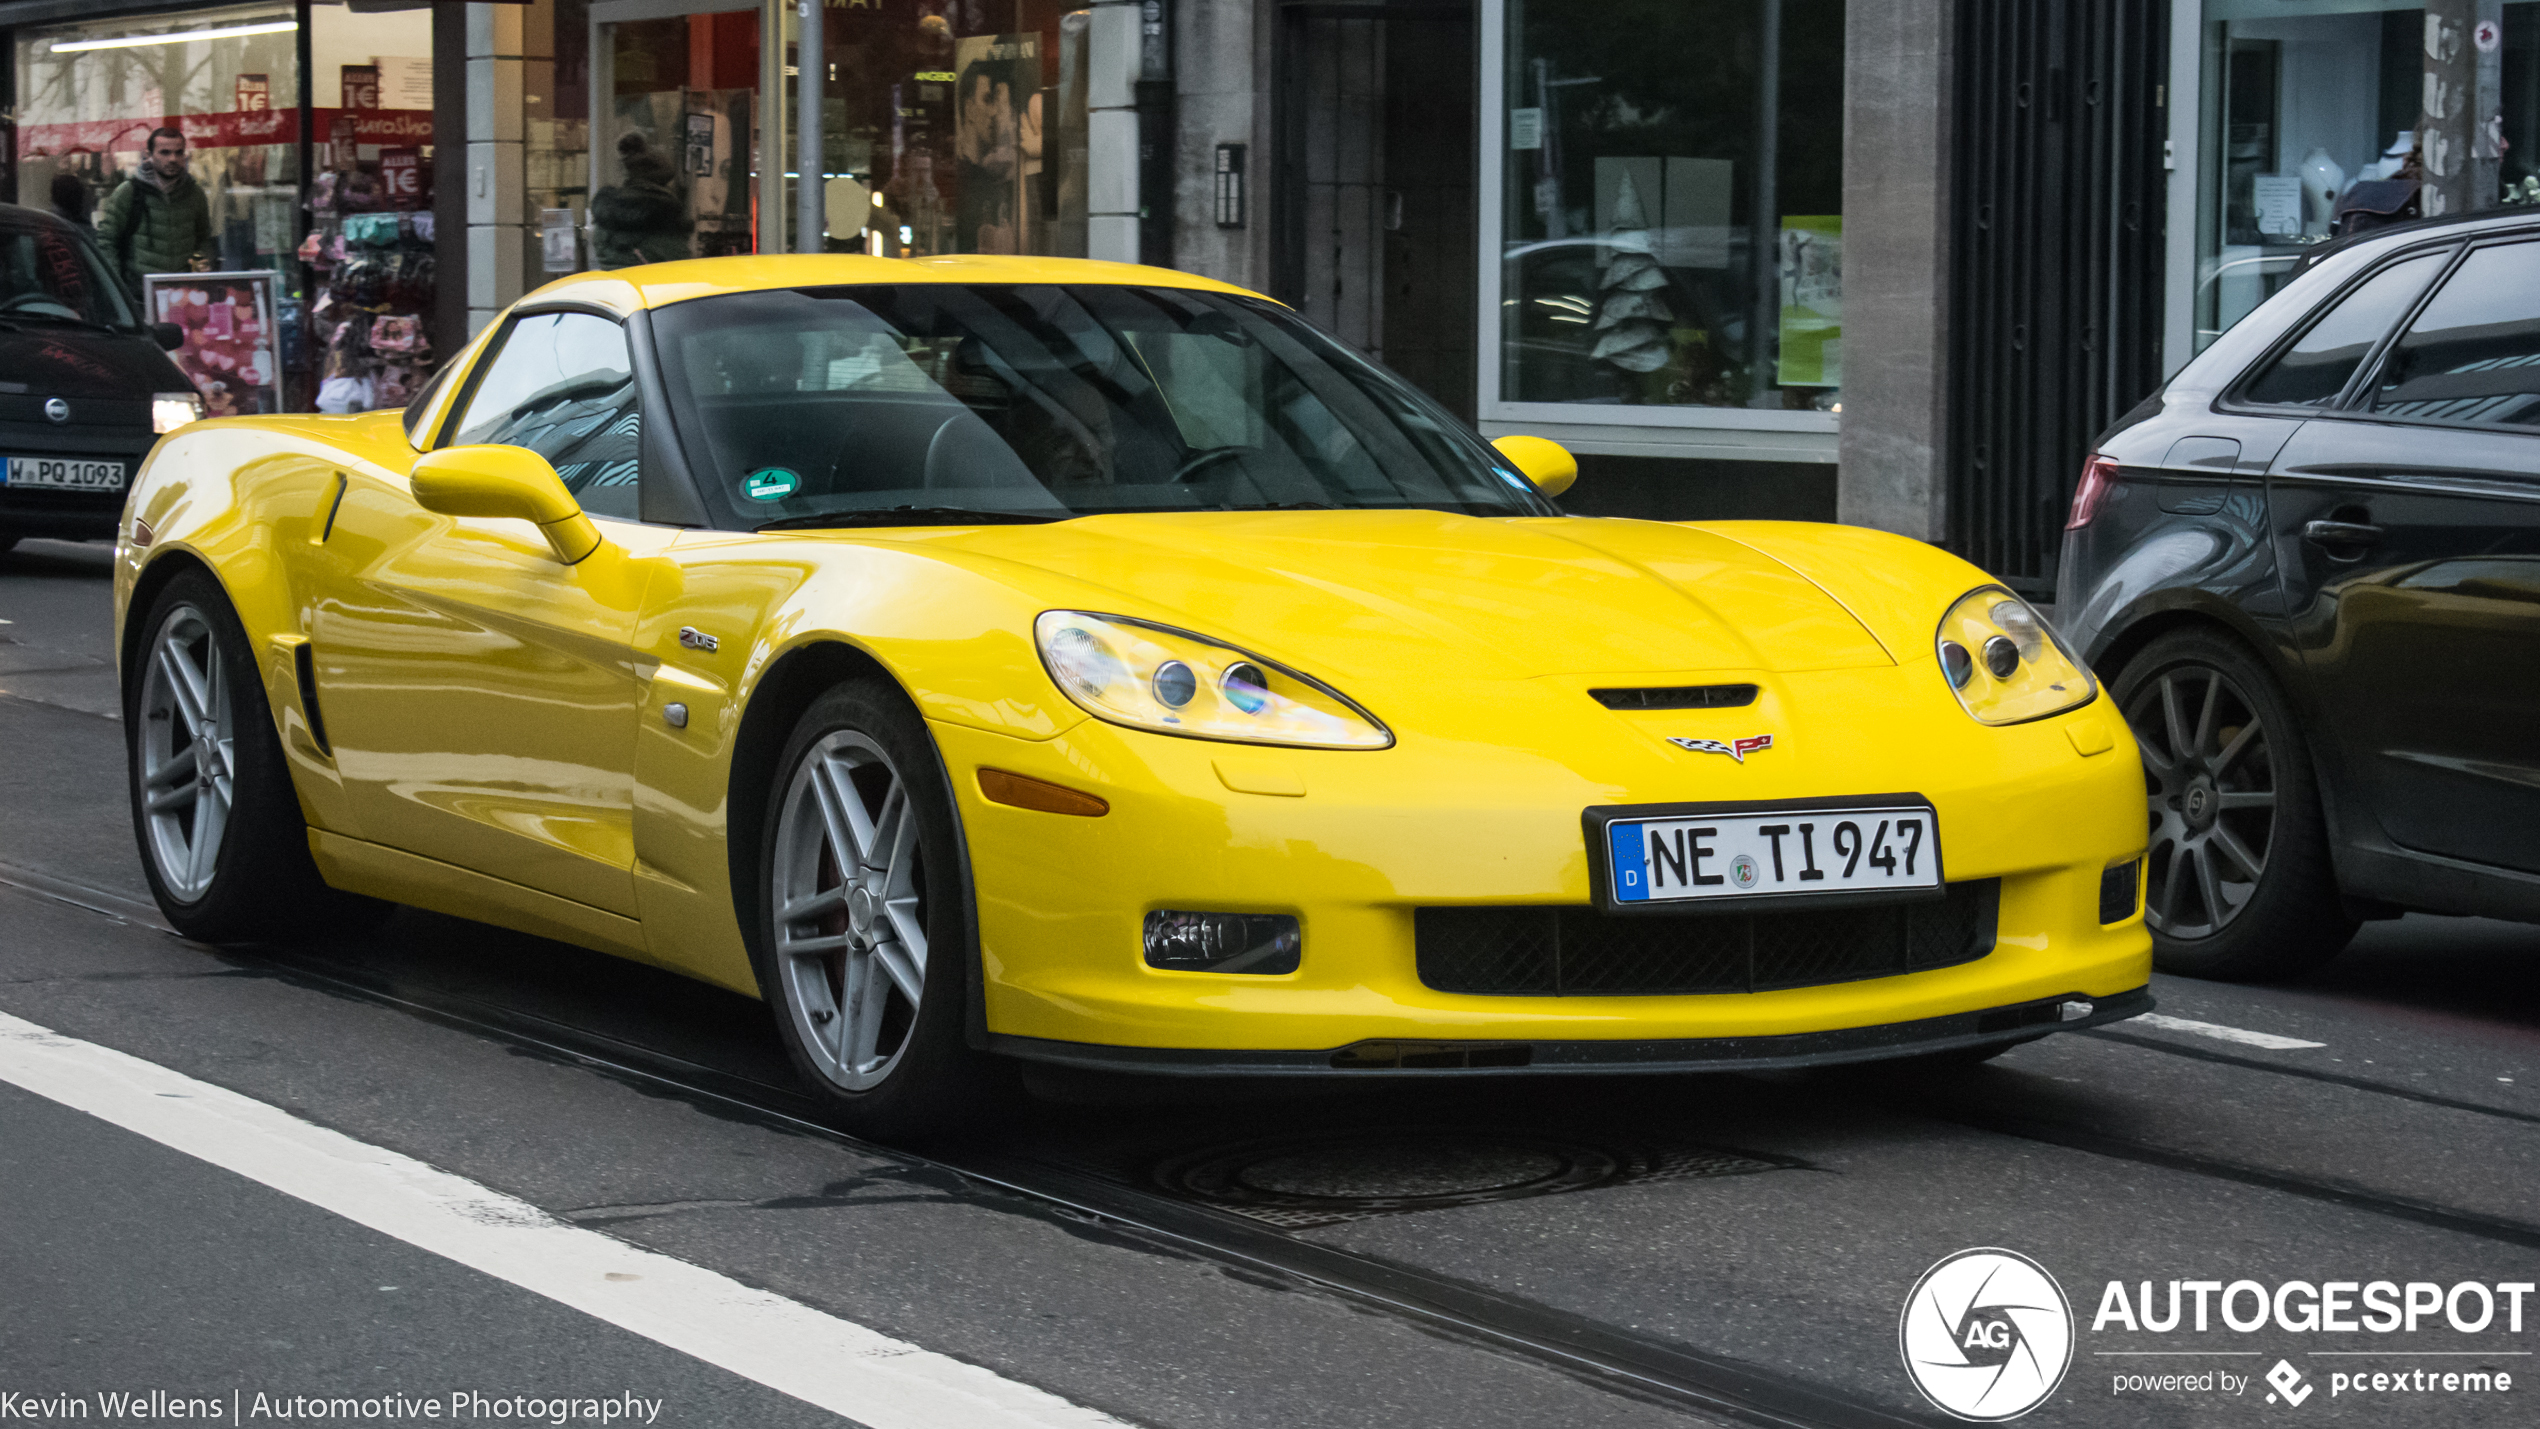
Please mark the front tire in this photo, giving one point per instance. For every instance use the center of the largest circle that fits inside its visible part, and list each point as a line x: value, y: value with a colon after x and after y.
x: 222, y: 839
x: 865, y: 923
x: 2240, y: 884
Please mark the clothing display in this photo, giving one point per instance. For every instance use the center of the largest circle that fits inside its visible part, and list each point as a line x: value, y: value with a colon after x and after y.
x: 373, y: 278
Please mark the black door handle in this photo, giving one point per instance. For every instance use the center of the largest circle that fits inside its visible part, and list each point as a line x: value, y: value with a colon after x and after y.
x: 2341, y: 533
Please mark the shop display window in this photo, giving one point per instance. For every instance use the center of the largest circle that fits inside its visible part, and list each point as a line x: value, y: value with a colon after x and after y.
x: 2304, y: 98
x: 89, y: 95
x: 1671, y: 231
x: 351, y: 301
x: 949, y: 126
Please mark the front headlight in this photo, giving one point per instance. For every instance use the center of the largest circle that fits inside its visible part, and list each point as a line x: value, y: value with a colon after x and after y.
x: 1150, y: 676
x: 171, y: 410
x: 2005, y: 664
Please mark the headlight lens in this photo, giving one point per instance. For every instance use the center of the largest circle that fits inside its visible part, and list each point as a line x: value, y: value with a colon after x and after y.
x: 171, y: 410
x: 2003, y: 662
x: 1150, y: 676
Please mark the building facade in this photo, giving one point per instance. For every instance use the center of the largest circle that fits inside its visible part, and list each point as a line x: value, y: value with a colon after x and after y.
x: 1886, y: 261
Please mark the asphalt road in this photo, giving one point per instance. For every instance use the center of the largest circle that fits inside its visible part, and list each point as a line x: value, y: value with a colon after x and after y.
x: 1616, y: 1251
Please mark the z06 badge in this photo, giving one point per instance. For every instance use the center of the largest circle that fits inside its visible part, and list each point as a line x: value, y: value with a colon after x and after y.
x: 1736, y: 749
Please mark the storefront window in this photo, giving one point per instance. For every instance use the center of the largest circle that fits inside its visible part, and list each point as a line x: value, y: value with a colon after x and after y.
x: 2303, y: 98
x: 952, y: 114
x: 354, y: 251
x: 1671, y: 204
x: 89, y: 95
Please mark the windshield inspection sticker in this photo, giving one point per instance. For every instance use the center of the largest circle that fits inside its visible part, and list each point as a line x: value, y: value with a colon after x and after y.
x: 770, y: 483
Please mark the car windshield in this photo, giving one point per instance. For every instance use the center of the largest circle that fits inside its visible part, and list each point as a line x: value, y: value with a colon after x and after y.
x: 935, y: 402
x: 51, y: 274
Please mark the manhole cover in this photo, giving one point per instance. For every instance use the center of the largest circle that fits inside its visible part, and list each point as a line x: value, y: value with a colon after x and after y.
x: 1300, y: 1182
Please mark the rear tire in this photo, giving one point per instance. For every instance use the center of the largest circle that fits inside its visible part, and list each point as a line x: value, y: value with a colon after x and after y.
x: 2240, y: 884
x: 865, y: 937
x: 222, y: 839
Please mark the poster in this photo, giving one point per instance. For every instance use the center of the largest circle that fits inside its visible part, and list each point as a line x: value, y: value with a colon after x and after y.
x: 1811, y: 257
x: 361, y: 87
x: 405, y: 82
x: 401, y: 177
x: 253, y: 92
x: 233, y: 348
x: 996, y: 138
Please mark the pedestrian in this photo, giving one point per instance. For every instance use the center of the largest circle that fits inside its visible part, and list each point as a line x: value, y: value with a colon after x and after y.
x: 158, y: 221
x: 70, y: 200
x: 642, y: 220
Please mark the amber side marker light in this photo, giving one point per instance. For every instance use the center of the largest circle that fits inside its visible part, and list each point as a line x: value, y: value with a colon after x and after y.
x: 1026, y: 793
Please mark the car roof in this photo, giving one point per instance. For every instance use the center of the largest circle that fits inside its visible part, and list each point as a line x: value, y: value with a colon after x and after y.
x: 19, y: 218
x: 657, y: 285
x: 2485, y: 220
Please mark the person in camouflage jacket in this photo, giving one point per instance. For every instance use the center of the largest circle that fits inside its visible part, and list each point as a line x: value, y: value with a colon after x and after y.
x: 158, y: 221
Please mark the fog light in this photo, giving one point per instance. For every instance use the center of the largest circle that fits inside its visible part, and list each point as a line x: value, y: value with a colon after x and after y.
x: 2116, y: 892
x: 1258, y: 943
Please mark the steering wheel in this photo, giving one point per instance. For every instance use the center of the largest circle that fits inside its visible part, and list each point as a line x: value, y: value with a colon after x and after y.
x: 36, y: 296
x: 1198, y: 462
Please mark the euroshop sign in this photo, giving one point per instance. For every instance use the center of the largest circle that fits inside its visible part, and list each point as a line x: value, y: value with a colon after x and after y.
x: 1987, y: 1335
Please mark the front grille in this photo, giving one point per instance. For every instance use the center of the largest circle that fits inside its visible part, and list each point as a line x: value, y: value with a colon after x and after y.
x: 1579, y: 952
x: 1677, y: 697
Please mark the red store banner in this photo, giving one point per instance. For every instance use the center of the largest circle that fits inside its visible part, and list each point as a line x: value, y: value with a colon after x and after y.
x: 235, y: 129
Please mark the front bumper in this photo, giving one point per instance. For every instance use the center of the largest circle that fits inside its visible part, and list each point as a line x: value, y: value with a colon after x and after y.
x: 1482, y: 809
x: 1987, y: 1027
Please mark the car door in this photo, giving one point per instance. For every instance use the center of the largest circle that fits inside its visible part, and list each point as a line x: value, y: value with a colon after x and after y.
x: 2408, y: 536
x: 480, y: 694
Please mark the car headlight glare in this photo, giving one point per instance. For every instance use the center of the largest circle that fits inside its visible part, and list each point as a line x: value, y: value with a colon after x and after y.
x: 1150, y: 676
x: 171, y: 410
x: 2004, y: 664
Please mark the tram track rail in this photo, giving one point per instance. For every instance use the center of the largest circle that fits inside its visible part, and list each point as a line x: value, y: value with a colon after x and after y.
x: 1611, y: 1358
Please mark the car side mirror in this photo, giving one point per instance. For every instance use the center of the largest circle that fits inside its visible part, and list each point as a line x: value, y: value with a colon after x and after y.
x: 167, y: 335
x: 1547, y: 464
x: 506, y: 483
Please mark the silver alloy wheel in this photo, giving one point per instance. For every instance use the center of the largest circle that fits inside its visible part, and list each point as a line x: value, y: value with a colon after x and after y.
x: 850, y: 921
x: 189, y: 751
x: 2211, y: 777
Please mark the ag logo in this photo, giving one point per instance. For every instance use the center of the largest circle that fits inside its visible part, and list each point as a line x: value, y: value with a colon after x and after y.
x: 1986, y: 1334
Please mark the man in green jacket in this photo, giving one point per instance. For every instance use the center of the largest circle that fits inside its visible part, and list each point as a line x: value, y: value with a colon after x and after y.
x: 158, y: 221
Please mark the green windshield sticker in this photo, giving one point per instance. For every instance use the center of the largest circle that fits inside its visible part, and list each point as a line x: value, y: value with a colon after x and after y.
x: 770, y: 483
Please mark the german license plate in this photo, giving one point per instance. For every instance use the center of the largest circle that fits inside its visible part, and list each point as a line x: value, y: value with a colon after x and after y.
x: 65, y: 473
x: 1828, y: 847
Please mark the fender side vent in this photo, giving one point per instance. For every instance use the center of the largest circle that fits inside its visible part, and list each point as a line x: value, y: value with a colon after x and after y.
x: 1677, y: 697
x: 304, y: 667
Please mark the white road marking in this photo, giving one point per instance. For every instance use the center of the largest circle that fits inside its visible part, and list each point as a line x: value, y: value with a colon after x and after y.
x: 2220, y: 1033
x: 787, y: 1346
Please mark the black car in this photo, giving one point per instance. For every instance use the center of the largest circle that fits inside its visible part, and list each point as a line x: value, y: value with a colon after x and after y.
x: 2309, y: 570
x: 86, y: 385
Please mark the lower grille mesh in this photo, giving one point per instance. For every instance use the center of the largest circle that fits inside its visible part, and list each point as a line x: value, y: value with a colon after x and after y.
x: 1578, y: 952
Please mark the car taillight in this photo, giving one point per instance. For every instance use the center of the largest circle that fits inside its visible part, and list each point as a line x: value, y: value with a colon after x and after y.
x: 2097, y: 475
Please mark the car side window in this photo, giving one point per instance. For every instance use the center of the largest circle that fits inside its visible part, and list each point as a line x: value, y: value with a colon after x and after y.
x: 2473, y: 355
x: 2316, y: 368
x: 562, y: 385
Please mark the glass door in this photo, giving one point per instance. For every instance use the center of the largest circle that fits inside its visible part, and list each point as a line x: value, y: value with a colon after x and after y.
x: 674, y: 118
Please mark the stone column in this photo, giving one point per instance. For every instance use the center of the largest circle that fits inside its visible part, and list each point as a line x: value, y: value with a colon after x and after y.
x: 1111, y: 132
x: 2446, y: 118
x: 1896, y: 222
x: 499, y: 236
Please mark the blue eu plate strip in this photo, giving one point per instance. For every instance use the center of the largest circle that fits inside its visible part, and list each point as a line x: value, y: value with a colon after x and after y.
x: 1630, y: 862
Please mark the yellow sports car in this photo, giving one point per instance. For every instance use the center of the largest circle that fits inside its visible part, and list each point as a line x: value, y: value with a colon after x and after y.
x: 987, y: 658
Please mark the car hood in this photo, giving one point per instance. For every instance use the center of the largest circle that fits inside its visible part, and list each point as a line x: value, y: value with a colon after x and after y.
x: 1412, y: 592
x: 72, y: 362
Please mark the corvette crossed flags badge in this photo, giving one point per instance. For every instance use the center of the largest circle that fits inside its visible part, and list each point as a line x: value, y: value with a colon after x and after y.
x: 1736, y: 749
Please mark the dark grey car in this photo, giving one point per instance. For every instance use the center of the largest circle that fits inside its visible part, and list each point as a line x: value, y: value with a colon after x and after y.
x: 2309, y: 570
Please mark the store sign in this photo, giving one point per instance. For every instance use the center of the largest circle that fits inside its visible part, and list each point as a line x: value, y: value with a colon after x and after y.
x: 401, y: 177
x: 361, y: 86
x: 255, y: 93
x: 225, y: 130
x: 344, y: 147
